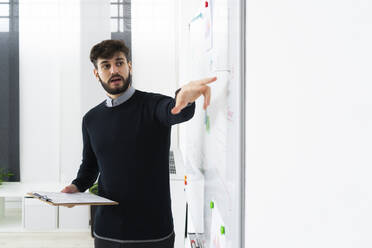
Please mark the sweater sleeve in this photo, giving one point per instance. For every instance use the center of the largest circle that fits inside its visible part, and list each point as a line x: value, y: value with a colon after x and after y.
x: 88, y: 171
x: 163, y: 107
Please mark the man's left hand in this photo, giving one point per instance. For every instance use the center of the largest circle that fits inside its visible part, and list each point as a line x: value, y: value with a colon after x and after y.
x: 192, y: 91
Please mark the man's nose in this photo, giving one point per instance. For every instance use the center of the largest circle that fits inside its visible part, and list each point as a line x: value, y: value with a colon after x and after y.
x: 114, y: 69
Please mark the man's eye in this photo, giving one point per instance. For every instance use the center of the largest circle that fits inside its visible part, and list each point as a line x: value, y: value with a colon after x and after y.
x: 107, y: 66
x: 119, y: 63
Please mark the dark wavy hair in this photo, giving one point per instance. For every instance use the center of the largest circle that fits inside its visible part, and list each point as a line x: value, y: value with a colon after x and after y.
x: 106, y: 49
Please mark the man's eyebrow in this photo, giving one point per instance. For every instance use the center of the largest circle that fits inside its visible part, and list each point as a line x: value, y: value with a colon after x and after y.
x: 106, y: 61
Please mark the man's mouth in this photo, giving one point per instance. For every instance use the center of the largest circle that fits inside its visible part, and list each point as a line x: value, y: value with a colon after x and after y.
x: 115, y: 80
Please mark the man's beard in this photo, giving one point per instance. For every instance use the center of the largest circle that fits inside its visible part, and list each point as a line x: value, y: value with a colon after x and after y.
x: 116, y: 91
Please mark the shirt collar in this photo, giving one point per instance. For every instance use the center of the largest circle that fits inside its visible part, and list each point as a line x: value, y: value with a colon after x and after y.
x: 121, y: 99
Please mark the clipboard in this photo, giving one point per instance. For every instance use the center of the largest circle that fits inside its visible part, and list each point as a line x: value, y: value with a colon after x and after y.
x: 68, y: 199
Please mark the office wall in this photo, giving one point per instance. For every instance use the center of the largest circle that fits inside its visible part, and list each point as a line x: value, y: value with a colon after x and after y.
x: 308, y: 124
x: 154, y: 41
x: 57, y: 86
x: 39, y: 90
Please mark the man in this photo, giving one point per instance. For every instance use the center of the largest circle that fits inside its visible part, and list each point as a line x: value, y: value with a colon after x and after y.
x: 126, y: 141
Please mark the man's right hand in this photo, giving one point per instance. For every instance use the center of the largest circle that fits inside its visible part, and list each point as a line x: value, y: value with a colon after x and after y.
x: 70, y: 189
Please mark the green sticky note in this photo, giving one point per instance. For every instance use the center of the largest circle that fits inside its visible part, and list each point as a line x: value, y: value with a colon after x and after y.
x: 222, y: 230
x: 212, y: 205
x: 208, y: 124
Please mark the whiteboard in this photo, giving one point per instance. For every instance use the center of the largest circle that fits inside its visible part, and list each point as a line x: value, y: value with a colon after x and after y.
x: 211, y: 142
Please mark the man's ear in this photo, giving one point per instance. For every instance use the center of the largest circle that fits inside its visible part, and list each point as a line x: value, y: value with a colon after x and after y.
x: 95, y: 73
x: 130, y: 66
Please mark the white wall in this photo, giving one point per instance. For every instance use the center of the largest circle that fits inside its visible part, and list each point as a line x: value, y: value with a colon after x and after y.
x: 39, y: 90
x: 57, y: 86
x: 70, y: 109
x: 308, y: 124
x: 154, y: 41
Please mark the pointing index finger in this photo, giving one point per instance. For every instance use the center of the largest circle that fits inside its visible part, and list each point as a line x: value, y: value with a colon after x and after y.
x: 207, y: 80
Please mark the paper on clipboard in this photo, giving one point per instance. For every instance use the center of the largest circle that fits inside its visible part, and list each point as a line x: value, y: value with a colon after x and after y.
x: 58, y: 198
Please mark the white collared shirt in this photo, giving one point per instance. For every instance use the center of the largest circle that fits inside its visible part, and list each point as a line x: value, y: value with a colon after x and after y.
x: 121, y: 99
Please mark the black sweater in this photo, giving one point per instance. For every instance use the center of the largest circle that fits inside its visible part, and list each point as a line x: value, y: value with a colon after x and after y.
x: 128, y: 146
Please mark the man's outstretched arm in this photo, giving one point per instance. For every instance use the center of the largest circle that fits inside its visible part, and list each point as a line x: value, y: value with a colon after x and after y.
x: 192, y: 91
x: 170, y: 111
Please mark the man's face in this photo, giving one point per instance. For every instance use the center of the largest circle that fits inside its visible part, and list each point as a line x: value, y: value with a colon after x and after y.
x: 114, y: 73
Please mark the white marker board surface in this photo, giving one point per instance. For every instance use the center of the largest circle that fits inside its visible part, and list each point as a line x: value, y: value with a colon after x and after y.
x: 211, y: 142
